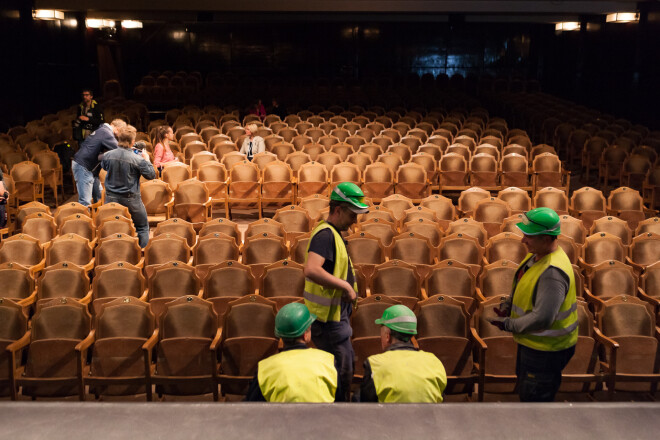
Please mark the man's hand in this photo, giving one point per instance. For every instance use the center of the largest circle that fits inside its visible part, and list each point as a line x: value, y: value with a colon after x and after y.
x: 349, y: 294
x: 83, y: 118
x: 497, y: 322
x: 504, y: 309
x: 145, y: 156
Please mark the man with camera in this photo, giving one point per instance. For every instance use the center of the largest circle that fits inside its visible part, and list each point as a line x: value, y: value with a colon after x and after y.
x: 125, y: 165
x: 86, y: 161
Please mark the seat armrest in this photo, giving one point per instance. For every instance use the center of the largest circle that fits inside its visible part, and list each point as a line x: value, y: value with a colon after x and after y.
x: 18, y: 344
x: 86, y: 343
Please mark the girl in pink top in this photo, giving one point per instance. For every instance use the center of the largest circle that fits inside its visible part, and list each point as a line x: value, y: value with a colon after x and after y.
x: 162, y: 152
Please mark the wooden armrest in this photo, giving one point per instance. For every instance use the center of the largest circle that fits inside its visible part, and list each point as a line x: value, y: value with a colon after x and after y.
x: 23, y: 342
x: 151, y: 342
x: 216, y: 340
x: 87, y: 298
x: 29, y: 300
x: 480, y: 342
x: 480, y: 296
x: 87, y: 342
x: 144, y: 295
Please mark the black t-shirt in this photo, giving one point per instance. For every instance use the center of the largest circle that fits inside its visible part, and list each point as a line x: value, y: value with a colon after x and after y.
x: 323, y: 244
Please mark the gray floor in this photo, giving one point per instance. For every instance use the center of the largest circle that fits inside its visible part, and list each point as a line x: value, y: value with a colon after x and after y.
x: 73, y: 421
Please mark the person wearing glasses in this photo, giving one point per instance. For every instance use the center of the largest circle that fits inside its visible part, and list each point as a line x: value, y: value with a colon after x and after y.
x: 542, y: 309
x: 330, y: 283
x: 89, y: 116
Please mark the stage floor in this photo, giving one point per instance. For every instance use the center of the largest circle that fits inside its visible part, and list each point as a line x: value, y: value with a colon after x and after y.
x: 191, y: 421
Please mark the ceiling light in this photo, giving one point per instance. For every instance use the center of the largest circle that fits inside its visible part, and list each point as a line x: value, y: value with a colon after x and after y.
x: 98, y: 23
x: 622, y: 17
x: 567, y: 26
x: 47, y: 14
x: 131, y: 24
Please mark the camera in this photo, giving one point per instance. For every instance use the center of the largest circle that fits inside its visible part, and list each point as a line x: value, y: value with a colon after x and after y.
x: 138, y: 147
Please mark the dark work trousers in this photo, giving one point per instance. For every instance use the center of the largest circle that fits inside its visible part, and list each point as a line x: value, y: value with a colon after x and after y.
x: 335, y: 338
x: 539, y: 373
x: 138, y: 213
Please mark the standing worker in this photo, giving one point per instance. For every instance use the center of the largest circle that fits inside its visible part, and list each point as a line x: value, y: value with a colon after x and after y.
x: 330, y: 287
x: 542, y: 310
x: 297, y: 373
x: 402, y: 373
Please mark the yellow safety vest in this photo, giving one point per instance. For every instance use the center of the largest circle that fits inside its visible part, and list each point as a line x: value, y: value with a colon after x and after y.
x: 322, y: 301
x: 408, y: 376
x: 306, y: 375
x: 563, y: 333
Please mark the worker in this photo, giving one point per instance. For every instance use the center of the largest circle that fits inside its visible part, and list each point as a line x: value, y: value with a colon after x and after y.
x: 402, y: 373
x: 330, y: 287
x: 297, y: 373
x: 542, y: 309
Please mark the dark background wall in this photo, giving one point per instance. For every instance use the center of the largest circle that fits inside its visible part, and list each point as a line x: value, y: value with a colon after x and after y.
x: 611, y: 67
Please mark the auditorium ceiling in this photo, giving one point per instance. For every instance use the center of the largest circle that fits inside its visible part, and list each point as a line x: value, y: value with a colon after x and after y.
x: 531, y: 10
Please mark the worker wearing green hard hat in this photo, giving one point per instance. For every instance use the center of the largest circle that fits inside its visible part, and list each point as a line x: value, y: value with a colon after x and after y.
x: 541, y: 311
x: 297, y: 373
x: 402, y: 373
x: 330, y: 287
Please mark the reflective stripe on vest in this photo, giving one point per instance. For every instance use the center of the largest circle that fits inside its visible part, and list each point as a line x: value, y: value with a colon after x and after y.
x: 325, y: 302
x: 563, y: 333
x: 304, y: 375
x: 408, y: 376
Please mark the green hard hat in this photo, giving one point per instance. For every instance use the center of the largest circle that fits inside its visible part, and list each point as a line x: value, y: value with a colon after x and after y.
x: 540, y: 221
x: 399, y: 318
x: 352, y: 194
x: 293, y: 320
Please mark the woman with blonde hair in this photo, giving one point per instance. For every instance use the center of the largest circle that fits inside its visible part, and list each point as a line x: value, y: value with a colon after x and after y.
x: 162, y: 152
x: 252, y: 144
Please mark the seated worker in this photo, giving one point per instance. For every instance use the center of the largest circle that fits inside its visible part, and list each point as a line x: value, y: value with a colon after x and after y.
x: 402, y: 373
x: 297, y: 373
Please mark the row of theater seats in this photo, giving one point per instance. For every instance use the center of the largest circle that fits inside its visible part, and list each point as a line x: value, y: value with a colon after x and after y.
x: 195, y: 351
x: 617, y: 150
x: 394, y: 230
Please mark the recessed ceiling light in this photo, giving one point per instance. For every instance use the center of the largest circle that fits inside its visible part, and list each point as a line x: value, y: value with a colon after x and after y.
x: 567, y: 26
x: 131, y: 24
x: 622, y: 17
x: 48, y: 14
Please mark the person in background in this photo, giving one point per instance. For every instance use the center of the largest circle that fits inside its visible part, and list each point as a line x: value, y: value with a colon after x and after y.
x: 252, y: 144
x: 4, y: 196
x: 278, y: 110
x: 162, y: 152
x: 402, y: 373
x: 86, y: 163
x: 330, y: 283
x: 259, y: 110
x: 297, y: 373
x: 89, y: 116
x: 542, y: 309
x: 122, y: 183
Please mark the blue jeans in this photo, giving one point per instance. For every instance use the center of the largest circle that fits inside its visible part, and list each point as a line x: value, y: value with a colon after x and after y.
x: 138, y: 213
x: 88, y: 186
x: 539, y: 373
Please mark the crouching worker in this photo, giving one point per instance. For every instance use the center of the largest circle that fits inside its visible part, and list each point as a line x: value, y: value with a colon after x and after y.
x: 297, y: 373
x: 402, y: 373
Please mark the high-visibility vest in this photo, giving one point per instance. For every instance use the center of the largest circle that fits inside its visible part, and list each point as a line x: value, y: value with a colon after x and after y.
x: 304, y: 375
x: 563, y: 333
x: 408, y: 376
x: 325, y: 302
